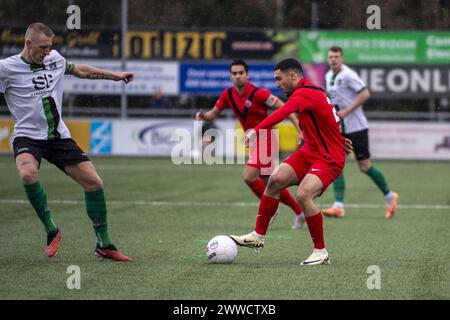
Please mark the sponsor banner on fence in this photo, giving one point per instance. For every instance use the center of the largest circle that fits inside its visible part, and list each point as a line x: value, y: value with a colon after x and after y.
x: 162, y: 44
x: 163, y: 137
x: 212, y: 78
x: 411, y: 140
x: 150, y: 137
x: 379, y: 47
x: 385, y: 82
x: 84, y: 43
x: 149, y: 76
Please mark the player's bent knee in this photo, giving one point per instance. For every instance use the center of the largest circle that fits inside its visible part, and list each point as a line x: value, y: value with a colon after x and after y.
x: 303, y: 196
x: 364, y: 166
x: 276, y: 182
x: 248, y: 179
x: 94, y: 184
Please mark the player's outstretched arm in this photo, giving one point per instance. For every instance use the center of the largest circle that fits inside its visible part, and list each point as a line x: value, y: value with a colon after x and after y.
x: 86, y: 71
x: 208, y: 116
x: 278, y: 115
x: 292, y: 117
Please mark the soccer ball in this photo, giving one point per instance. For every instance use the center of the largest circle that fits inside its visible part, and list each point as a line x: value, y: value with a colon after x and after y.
x: 221, y: 249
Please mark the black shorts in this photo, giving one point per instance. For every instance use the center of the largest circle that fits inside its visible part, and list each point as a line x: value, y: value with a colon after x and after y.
x: 360, y: 141
x: 60, y: 152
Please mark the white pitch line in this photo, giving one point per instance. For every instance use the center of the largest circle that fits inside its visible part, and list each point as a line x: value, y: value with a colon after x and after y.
x: 102, y: 167
x: 217, y: 204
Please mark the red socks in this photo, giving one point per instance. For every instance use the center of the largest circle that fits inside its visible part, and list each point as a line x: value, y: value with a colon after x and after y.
x: 287, y: 199
x: 258, y: 188
x: 267, y: 207
x: 315, y: 226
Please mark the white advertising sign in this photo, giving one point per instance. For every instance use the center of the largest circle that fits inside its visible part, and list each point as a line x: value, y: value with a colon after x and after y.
x: 148, y: 137
x: 387, y: 140
x: 149, y: 76
x: 411, y: 140
x: 162, y: 137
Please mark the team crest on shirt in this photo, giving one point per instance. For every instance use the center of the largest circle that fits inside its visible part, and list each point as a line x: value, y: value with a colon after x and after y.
x: 52, y: 65
x: 248, y: 104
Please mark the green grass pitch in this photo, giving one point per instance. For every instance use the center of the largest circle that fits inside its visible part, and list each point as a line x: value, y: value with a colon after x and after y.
x: 163, y: 215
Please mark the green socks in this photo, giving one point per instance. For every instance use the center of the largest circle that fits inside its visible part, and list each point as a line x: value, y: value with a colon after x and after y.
x: 96, y: 210
x: 38, y: 199
x: 377, y: 176
x: 374, y: 173
x: 95, y: 207
x: 339, y: 188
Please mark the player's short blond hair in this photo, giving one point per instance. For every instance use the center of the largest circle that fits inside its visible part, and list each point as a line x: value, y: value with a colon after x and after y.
x: 39, y: 28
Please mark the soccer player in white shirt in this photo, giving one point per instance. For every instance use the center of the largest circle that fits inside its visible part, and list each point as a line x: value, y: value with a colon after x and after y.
x: 32, y: 83
x: 347, y: 93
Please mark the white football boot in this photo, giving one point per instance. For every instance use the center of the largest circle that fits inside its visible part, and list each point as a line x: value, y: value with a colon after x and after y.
x: 252, y: 240
x: 319, y: 256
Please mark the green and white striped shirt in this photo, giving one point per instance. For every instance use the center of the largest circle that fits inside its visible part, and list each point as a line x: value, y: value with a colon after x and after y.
x: 34, y: 94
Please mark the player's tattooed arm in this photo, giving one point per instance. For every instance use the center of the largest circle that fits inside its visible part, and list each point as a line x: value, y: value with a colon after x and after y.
x: 96, y: 76
x: 90, y: 72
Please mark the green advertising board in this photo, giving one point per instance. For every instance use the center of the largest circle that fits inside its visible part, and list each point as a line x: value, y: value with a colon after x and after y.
x: 377, y: 47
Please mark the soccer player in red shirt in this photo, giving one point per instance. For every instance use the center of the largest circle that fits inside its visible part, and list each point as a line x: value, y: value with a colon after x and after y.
x: 250, y: 104
x: 312, y: 167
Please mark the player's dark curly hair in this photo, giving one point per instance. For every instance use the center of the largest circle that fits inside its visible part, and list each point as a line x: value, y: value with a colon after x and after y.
x: 289, y: 65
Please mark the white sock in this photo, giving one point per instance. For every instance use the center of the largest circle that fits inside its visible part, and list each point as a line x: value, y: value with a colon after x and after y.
x: 388, y: 197
x: 338, y: 204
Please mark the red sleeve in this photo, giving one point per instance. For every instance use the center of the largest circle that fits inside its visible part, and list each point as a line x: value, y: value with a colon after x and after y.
x: 280, y: 114
x: 262, y: 95
x: 222, y: 103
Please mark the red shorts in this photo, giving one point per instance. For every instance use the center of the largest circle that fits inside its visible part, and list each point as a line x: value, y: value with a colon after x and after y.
x: 304, y: 163
x: 262, y: 153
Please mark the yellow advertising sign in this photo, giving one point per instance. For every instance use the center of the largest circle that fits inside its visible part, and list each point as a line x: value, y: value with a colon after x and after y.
x: 174, y: 44
x: 80, y: 131
x: 288, y: 138
x: 6, y: 130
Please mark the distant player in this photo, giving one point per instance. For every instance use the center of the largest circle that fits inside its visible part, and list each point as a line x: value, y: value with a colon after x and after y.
x: 250, y: 105
x: 347, y: 93
x: 32, y: 82
x: 312, y: 167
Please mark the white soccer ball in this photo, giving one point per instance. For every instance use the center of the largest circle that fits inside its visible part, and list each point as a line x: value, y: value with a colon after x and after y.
x: 221, y: 249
